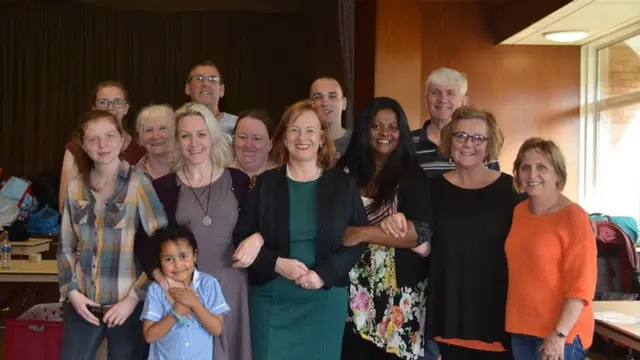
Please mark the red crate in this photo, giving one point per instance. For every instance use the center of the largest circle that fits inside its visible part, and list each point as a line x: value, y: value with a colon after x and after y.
x: 33, y: 340
x: 36, y: 334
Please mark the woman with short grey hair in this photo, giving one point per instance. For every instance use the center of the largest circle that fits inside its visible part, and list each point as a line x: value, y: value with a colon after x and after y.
x: 155, y: 125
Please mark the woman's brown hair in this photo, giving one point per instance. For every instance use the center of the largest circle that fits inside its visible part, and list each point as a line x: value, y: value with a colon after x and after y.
x: 258, y: 114
x: 108, y: 83
x: 326, y: 154
x: 83, y: 161
x: 495, y: 139
x: 548, y: 149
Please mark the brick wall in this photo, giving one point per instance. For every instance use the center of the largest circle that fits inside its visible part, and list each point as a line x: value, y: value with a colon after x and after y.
x: 623, y: 70
x: 621, y: 75
x: 617, y: 139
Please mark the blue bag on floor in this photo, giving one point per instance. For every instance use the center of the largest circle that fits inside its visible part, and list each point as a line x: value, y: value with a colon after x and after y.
x: 44, y: 222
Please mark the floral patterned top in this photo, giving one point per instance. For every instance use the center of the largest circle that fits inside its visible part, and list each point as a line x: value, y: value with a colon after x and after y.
x: 391, y: 317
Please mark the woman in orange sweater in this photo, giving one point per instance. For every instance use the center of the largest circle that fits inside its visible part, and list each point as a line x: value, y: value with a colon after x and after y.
x: 551, y: 256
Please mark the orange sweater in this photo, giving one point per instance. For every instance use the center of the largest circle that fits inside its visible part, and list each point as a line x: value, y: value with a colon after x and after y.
x: 550, y: 258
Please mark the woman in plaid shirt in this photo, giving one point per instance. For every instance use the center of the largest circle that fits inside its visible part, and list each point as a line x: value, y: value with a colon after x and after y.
x: 100, y: 280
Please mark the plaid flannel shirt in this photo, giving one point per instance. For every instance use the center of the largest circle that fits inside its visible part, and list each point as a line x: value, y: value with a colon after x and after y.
x: 95, y: 254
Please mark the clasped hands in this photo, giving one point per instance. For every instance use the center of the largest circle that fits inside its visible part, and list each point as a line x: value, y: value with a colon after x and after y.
x: 295, y: 270
x: 291, y: 269
x: 395, y: 225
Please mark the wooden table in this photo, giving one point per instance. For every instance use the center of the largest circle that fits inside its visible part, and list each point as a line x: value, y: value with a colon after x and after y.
x: 629, y: 335
x: 25, y: 271
x: 31, y: 246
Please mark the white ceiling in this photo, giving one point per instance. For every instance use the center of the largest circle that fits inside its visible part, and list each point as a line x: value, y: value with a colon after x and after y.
x: 598, y: 17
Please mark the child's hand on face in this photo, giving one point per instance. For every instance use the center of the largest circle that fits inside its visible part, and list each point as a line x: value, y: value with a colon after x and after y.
x: 184, y: 296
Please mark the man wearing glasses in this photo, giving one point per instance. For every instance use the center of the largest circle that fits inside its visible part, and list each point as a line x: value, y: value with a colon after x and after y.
x: 445, y: 91
x: 205, y: 85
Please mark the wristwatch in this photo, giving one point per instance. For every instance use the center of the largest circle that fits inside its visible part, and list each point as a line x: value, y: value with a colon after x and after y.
x: 559, y: 334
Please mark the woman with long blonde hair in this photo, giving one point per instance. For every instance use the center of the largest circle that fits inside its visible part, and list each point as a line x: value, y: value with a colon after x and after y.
x: 205, y: 195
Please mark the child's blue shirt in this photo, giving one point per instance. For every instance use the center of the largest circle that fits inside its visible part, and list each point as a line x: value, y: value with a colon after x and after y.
x: 190, y: 341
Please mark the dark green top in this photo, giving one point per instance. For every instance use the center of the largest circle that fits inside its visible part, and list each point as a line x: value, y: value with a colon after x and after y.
x: 287, y: 321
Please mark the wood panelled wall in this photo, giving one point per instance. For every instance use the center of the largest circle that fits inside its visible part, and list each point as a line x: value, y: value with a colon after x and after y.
x: 365, y: 52
x: 532, y: 90
x: 398, y: 56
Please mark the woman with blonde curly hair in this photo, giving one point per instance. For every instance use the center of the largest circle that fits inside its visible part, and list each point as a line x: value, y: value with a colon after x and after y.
x: 204, y: 194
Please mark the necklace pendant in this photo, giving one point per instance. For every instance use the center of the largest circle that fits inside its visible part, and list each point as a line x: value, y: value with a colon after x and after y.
x: 206, y: 220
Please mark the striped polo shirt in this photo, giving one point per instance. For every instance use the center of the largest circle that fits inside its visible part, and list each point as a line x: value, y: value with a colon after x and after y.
x: 430, y: 159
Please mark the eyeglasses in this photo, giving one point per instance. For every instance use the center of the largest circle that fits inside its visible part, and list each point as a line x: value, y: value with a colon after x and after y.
x: 201, y: 78
x: 104, y: 103
x: 476, y: 139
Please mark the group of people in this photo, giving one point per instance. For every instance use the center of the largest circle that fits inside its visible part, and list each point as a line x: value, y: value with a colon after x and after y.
x: 317, y: 242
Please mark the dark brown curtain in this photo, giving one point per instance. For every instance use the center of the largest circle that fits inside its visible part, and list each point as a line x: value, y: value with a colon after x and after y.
x: 346, y: 25
x: 327, y: 55
x: 52, y: 52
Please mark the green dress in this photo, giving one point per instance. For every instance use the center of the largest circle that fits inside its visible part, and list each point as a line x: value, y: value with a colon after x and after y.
x: 287, y: 321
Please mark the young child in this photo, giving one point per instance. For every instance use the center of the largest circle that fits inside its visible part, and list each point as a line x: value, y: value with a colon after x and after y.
x: 186, y: 329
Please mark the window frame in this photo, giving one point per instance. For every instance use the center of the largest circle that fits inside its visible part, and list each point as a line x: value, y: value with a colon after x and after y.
x: 591, y: 107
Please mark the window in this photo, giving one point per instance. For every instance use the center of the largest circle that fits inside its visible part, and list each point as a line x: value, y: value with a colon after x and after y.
x: 610, y: 124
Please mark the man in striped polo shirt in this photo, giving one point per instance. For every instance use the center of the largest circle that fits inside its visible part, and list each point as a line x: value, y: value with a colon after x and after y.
x: 445, y: 91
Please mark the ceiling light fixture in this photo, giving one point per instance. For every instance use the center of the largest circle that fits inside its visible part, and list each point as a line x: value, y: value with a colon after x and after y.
x: 566, y: 36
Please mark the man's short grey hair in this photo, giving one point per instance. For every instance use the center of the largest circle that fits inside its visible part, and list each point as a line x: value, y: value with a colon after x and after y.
x: 446, y: 76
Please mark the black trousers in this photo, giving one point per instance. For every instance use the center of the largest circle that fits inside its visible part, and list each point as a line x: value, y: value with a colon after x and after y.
x: 354, y: 347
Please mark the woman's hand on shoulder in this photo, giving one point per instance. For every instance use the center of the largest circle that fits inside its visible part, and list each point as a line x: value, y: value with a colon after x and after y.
x: 247, y: 251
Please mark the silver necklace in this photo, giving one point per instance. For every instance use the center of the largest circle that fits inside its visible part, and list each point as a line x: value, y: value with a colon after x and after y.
x: 206, y: 220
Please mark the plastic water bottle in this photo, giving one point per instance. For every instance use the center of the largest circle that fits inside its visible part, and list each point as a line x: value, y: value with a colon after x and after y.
x: 5, y: 249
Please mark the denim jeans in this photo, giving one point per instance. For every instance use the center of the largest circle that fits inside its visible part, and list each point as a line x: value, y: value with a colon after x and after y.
x: 80, y: 339
x: 431, y: 351
x: 526, y: 347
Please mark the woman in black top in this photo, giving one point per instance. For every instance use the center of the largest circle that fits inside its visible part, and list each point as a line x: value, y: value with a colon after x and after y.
x: 387, y: 292
x: 473, y: 206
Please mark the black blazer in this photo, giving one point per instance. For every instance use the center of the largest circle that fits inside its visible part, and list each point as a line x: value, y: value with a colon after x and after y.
x: 266, y: 210
x: 146, y: 249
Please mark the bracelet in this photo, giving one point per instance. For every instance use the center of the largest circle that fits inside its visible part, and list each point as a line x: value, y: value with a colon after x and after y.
x: 179, y: 319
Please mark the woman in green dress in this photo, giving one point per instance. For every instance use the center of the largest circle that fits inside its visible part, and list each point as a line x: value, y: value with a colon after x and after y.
x: 289, y: 235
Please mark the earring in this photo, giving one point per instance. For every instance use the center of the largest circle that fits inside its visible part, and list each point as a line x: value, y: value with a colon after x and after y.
x: 450, y: 159
x: 321, y: 145
x: 486, y: 164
